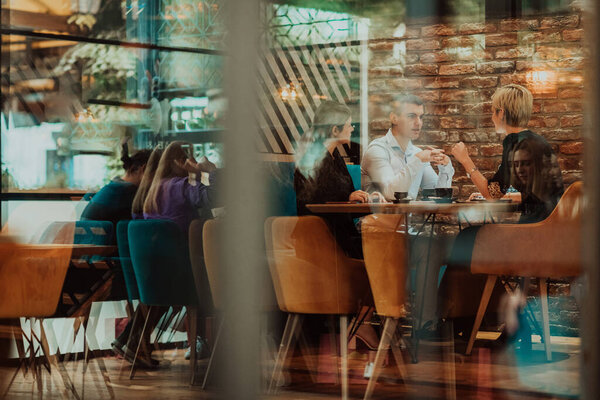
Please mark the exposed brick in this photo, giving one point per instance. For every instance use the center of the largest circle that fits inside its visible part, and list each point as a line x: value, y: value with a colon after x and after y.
x: 456, y: 123
x: 539, y: 121
x: 485, y: 122
x: 404, y: 83
x: 559, y: 106
x: 515, y: 52
x: 431, y: 123
x: 382, y: 45
x: 544, y: 92
x: 479, y: 82
x: 466, y: 190
x: 572, y: 148
x: 476, y: 109
x: 441, y: 83
x: 537, y: 107
x: 428, y: 95
x: 571, y: 120
x: 518, y: 24
x: 539, y: 37
x: 491, y: 150
x: 572, y: 35
x: 421, y: 69
x: 457, y: 69
x: 379, y: 124
x: 423, y: 44
x: 438, y: 30
x: 500, y: 39
x: 571, y: 93
x: 520, y: 79
x: 571, y: 176
x: 458, y: 95
x: 463, y: 41
x: 479, y: 136
x: 487, y: 164
x: 561, y: 134
x: 570, y: 163
x: 442, y: 109
x: 388, y: 70
x: 476, y: 27
x: 438, y: 56
x: 558, y: 52
x: 568, y: 21
x: 433, y: 136
x: 496, y: 67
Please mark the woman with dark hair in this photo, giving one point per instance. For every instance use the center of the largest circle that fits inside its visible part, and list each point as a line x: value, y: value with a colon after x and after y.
x: 137, y: 208
x: 113, y: 202
x: 177, y: 196
x: 535, y: 174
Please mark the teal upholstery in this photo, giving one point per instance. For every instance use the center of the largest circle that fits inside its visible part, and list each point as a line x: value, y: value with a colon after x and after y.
x: 125, y: 261
x: 280, y: 187
x: 354, y: 171
x: 161, y: 263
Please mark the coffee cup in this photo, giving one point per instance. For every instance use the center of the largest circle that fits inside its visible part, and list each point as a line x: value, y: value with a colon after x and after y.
x: 400, y: 195
x: 443, y: 192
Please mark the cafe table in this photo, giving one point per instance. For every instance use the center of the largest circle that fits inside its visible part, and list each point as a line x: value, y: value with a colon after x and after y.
x: 468, y: 211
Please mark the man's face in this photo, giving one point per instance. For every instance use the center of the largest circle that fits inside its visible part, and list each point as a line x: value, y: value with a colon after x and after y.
x: 409, y: 120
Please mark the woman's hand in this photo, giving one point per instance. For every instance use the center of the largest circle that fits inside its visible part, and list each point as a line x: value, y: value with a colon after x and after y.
x: 359, y: 196
x: 459, y: 151
x: 205, y: 165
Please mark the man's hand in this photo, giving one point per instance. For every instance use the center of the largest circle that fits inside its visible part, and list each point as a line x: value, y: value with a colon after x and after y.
x: 459, y: 151
x: 431, y: 155
x: 359, y: 196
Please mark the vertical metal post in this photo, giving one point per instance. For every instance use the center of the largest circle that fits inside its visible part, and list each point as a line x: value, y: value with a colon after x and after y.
x: 243, y: 238
x: 590, y: 325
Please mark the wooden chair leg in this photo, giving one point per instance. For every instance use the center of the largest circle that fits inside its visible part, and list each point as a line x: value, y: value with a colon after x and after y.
x: 137, y: 351
x: 193, y: 319
x: 394, y: 344
x: 389, y: 327
x: 344, y: 354
x: 545, y: 317
x: 209, y: 367
x: 292, y: 326
x: 485, y: 299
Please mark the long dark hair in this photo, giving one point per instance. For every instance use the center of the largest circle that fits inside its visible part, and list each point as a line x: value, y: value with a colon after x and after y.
x: 167, y: 168
x: 542, y: 180
x: 140, y: 195
x: 133, y: 163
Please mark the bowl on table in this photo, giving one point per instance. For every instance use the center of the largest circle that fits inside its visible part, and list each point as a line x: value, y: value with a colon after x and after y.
x: 401, y: 197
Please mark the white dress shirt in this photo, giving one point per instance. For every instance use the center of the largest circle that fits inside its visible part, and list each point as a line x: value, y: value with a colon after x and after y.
x: 387, y: 168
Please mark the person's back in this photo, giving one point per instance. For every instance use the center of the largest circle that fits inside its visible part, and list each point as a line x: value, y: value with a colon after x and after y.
x: 112, y: 203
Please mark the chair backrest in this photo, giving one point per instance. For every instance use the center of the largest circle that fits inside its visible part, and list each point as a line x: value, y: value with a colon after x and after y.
x: 204, y: 286
x: 85, y: 232
x: 161, y: 263
x: 204, y: 237
x: 549, y: 249
x: 384, y: 249
x: 31, y: 278
x: 311, y: 274
x: 125, y: 260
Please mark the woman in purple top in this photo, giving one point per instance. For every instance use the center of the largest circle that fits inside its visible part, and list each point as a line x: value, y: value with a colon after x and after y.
x: 174, y: 195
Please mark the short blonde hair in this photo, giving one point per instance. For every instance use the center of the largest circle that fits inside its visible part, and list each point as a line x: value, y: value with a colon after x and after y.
x: 517, y: 103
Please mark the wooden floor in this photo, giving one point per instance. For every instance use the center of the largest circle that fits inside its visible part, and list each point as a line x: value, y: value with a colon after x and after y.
x: 486, y: 374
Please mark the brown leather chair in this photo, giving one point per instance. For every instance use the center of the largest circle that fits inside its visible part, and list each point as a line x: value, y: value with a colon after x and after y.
x: 312, y: 275
x: 384, y: 249
x: 546, y: 249
x: 31, y: 279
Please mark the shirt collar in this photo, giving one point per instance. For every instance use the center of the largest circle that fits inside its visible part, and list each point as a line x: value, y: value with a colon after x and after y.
x: 393, y: 143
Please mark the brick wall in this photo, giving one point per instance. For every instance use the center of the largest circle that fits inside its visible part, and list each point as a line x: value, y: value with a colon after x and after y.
x: 456, y: 67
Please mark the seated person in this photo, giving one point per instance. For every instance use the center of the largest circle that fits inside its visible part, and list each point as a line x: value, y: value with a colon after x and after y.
x: 173, y: 195
x: 113, y: 202
x: 137, y: 208
x: 321, y: 174
x: 393, y: 164
x: 529, y: 164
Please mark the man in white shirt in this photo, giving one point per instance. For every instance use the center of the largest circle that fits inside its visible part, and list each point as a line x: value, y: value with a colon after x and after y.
x: 393, y: 164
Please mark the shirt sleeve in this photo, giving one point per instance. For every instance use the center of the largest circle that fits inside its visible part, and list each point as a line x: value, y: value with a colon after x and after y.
x: 377, y: 165
x: 203, y: 196
x: 443, y: 179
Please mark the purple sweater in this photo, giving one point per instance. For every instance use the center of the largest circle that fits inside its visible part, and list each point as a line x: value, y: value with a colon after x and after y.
x: 181, y: 202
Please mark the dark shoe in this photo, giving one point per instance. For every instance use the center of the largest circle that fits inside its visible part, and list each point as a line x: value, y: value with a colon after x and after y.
x: 129, y: 355
x: 430, y: 332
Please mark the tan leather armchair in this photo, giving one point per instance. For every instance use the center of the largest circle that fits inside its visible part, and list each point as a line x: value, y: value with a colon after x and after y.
x: 312, y: 275
x: 546, y: 249
x: 384, y: 249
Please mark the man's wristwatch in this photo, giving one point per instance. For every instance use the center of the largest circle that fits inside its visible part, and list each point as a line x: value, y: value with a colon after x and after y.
x: 470, y: 172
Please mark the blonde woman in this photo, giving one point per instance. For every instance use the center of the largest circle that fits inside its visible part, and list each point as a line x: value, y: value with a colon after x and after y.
x: 137, y: 208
